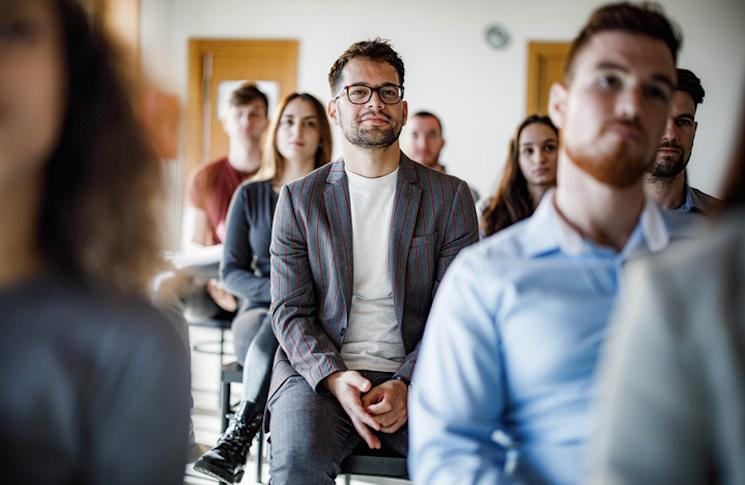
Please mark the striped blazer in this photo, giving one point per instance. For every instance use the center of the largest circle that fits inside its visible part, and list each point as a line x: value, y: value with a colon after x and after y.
x: 311, y: 262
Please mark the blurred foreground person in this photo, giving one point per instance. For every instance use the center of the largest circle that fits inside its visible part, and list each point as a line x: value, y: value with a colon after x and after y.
x: 673, y: 408
x: 94, y: 381
x: 505, y: 380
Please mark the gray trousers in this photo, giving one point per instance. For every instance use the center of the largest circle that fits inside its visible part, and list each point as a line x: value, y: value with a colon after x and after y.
x: 311, y: 433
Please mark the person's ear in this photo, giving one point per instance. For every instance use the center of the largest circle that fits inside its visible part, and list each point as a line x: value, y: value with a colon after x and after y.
x: 332, y: 112
x: 557, y: 100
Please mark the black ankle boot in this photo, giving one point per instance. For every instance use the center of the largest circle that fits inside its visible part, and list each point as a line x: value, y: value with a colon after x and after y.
x: 228, y: 457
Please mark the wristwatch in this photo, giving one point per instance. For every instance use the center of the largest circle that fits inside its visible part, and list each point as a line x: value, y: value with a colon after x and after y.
x: 403, y: 379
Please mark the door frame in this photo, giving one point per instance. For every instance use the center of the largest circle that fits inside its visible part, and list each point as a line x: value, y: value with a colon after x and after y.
x: 538, y: 54
x: 197, y: 89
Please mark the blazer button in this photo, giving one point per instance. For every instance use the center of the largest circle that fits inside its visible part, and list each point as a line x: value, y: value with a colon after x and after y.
x: 341, y: 332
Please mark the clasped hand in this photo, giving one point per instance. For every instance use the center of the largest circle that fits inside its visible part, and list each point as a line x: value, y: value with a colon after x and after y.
x: 381, y: 408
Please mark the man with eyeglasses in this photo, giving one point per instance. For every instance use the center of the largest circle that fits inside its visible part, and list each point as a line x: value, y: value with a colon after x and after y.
x: 358, y: 251
x: 665, y: 180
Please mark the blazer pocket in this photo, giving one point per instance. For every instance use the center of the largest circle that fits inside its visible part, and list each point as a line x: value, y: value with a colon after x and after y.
x: 422, y: 240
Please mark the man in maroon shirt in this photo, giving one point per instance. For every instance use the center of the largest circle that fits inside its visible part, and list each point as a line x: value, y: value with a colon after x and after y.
x: 194, y: 289
x: 211, y: 186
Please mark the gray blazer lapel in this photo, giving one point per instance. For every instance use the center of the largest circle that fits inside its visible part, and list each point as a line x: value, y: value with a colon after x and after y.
x: 405, y: 210
x: 336, y: 198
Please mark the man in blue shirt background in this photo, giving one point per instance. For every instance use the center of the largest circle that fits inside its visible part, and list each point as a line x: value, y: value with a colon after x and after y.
x: 665, y: 180
x: 504, y: 384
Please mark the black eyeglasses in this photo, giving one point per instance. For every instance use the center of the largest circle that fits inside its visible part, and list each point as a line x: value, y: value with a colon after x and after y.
x: 361, y: 94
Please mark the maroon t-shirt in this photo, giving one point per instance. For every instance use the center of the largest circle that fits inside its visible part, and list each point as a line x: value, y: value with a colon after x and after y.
x: 210, y: 189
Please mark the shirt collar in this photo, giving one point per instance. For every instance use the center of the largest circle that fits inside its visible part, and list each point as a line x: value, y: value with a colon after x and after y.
x: 547, y: 231
x: 690, y: 202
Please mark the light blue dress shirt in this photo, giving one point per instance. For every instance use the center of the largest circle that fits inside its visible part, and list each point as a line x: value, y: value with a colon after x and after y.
x: 504, y: 380
x: 689, y: 204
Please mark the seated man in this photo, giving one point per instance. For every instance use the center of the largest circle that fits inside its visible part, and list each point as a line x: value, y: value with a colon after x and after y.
x: 504, y: 384
x: 193, y: 288
x: 426, y: 142
x: 665, y: 181
x: 211, y: 188
x: 358, y: 250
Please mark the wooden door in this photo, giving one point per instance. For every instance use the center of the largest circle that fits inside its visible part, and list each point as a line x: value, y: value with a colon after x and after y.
x: 546, y: 62
x: 216, y: 67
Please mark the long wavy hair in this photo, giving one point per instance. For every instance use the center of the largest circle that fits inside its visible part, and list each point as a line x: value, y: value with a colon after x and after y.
x: 102, y: 183
x: 273, y: 163
x: 512, y: 202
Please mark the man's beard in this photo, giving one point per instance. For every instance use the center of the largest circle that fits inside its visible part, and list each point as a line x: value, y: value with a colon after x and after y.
x: 668, y: 166
x: 617, y: 167
x: 377, y: 138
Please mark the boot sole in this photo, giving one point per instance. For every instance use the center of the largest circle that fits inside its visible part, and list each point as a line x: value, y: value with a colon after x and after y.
x: 220, y: 475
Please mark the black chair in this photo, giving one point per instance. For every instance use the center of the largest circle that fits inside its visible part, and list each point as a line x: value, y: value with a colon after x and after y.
x: 231, y: 373
x: 221, y: 322
x: 363, y: 461
x: 376, y: 463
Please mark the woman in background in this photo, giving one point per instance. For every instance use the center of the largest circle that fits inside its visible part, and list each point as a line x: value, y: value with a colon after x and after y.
x: 94, y: 382
x: 530, y: 170
x: 299, y: 141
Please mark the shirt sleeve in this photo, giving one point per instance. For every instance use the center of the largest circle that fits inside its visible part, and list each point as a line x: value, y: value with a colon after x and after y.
x: 195, y: 191
x: 457, y: 396
x: 235, y: 268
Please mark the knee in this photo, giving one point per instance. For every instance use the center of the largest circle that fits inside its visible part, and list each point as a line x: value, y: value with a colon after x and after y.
x: 266, y: 342
x: 298, y: 464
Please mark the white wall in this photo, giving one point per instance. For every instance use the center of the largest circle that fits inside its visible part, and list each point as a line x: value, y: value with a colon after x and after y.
x: 479, y: 92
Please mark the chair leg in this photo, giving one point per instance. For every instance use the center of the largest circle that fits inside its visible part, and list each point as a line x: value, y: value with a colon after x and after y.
x: 224, y: 405
x: 222, y: 346
x: 260, y: 455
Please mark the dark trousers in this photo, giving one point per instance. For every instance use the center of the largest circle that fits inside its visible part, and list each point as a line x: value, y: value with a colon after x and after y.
x: 311, y: 433
x: 255, y: 346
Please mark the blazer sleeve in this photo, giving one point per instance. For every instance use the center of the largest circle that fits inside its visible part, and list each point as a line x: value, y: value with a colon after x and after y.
x: 235, y: 269
x: 294, y: 308
x: 460, y: 231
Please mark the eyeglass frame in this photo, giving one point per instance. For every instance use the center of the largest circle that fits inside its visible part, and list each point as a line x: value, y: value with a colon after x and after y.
x: 373, y: 90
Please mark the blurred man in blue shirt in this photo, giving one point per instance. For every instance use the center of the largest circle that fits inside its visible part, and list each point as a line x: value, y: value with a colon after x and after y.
x: 504, y: 383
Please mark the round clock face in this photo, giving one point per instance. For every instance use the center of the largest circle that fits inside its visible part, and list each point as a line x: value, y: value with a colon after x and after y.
x: 497, y: 36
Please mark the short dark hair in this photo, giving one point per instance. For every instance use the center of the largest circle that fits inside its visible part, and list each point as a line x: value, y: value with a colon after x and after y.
x: 646, y: 18
x: 428, y: 114
x: 376, y: 50
x: 689, y: 83
x: 247, y: 93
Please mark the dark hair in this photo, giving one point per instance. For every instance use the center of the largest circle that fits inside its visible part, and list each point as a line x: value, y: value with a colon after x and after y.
x: 734, y: 189
x: 102, y: 183
x: 690, y: 83
x: 247, y: 93
x: 512, y: 202
x: 646, y: 18
x: 376, y: 50
x: 427, y: 114
x: 273, y: 163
